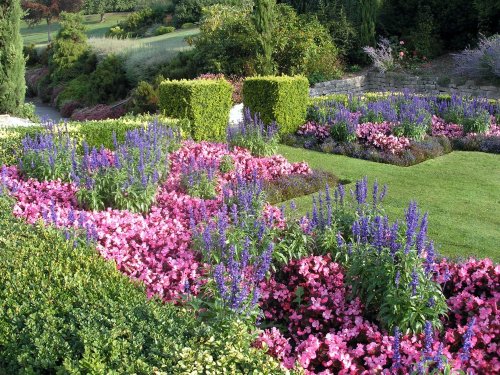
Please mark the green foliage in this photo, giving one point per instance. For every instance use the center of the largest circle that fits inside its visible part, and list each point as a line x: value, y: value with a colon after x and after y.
x: 254, y: 142
x: 78, y: 89
x: 12, y: 62
x: 230, y: 43
x: 43, y: 165
x: 66, y: 310
x: 232, y: 355
x: 27, y: 111
x: 70, y: 48
x: 189, y: 12
x: 479, y: 122
x: 226, y: 164
x: 199, y: 184
x: 281, y: 99
x: 144, y: 99
x: 108, y: 83
x: 263, y: 20
x: 205, y: 103
x: 138, y: 22
x: 164, y: 30
x: 368, y: 15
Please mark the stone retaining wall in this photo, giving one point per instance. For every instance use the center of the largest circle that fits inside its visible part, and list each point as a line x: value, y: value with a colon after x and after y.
x: 391, y: 81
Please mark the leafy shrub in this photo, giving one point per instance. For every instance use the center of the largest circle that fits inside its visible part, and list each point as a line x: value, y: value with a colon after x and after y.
x: 108, y: 83
x: 70, y: 48
x: 27, y: 111
x: 164, y: 30
x: 252, y: 134
x: 31, y: 55
x: 478, y: 122
x: 12, y: 61
x: 137, y: 22
x: 144, y: 99
x: 206, y: 103
x: 281, y: 99
x: 187, y: 25
x: 78, y: 89
x: 481, y: 62
x: 236, y: 82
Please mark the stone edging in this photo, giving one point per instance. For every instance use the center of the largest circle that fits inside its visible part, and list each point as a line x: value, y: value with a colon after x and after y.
x: 392, y: 81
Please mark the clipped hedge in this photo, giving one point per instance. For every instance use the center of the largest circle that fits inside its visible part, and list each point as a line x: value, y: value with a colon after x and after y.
x: 282, y: 99
x: 205, y: 103
x: 66, y: 310
x: 96, y: 133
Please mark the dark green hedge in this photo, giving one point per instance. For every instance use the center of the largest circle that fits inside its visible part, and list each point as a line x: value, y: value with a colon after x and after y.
x: 206, y: 103
x: 66, y: 310
x: 282, y: 99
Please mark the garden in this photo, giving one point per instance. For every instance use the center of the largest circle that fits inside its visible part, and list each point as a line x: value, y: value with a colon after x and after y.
x: 344, y: 234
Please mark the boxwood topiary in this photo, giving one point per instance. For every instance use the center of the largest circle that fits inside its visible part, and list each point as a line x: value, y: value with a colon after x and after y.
x: 205, y: 103
x: 282, y: 99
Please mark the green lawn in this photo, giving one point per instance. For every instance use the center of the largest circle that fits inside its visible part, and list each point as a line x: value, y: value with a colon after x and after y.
x: 461, y: 192
x: 38, y: 34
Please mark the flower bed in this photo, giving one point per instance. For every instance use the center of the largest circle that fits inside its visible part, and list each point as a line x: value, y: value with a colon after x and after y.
x: 350, y: 292
x: 402, y: 129
x: 154, y: 247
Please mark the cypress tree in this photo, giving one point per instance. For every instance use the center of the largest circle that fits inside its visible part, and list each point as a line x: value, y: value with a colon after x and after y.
x: 368, y: 17
x: 12, y: 62
x: 263, y: 20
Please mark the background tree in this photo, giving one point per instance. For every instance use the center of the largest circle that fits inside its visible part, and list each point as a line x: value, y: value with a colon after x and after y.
x: 263, y: 20
x: 40, y: 10
x: 102, y: 7
x: 12, y: 63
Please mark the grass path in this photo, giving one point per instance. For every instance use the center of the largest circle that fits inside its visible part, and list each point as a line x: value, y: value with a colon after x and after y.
x: 461, y: 192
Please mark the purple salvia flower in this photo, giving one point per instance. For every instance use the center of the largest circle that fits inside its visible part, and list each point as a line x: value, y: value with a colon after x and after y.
x: 397, y: 278
x: 375, y: 194
x: 422, y: 235
x: 220, y: 280
x: 264, y: 263
x: 429, y: 260
x: 438, y: 359
x: 414, y: 282
x: 396, y: 356
x: 53, y: 213
x: 428, y: 339
x: 467, y: 340
x: 431, y: 303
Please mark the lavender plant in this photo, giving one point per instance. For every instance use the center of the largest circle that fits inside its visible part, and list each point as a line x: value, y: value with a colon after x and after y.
x: 389, y: 266
x: 480, y: 62
x: 381, y: 56
x: 238, y: 244
x: 344, y: 124
x: 47, y: 156
x: 129, y: 178
x: 251, y: 133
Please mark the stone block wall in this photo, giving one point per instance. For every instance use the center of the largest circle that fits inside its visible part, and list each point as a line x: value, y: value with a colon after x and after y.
x: 391, y: 81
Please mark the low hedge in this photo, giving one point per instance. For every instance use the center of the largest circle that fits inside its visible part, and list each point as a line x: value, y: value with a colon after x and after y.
x: 282, y: 99
x: 63, y: 309
x: 205, y: 103
x: 96, y: 133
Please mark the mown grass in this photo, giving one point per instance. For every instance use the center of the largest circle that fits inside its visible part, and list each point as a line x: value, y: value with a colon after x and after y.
x: 461, y: 192
x: 38, y: 34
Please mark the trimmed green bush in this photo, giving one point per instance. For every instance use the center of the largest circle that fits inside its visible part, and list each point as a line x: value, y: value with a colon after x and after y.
x: 205, y: 103
x: 282, y: 99
x: 65, y: 310
x: 12, y: 62
x: 164, y: 30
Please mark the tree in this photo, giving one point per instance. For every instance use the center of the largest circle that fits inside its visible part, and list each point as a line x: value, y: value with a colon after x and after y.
x: 12, y: 63
x: 368, y: 17
x: 263, y: 20
x: 102, y: 7
x: 39, y: 10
